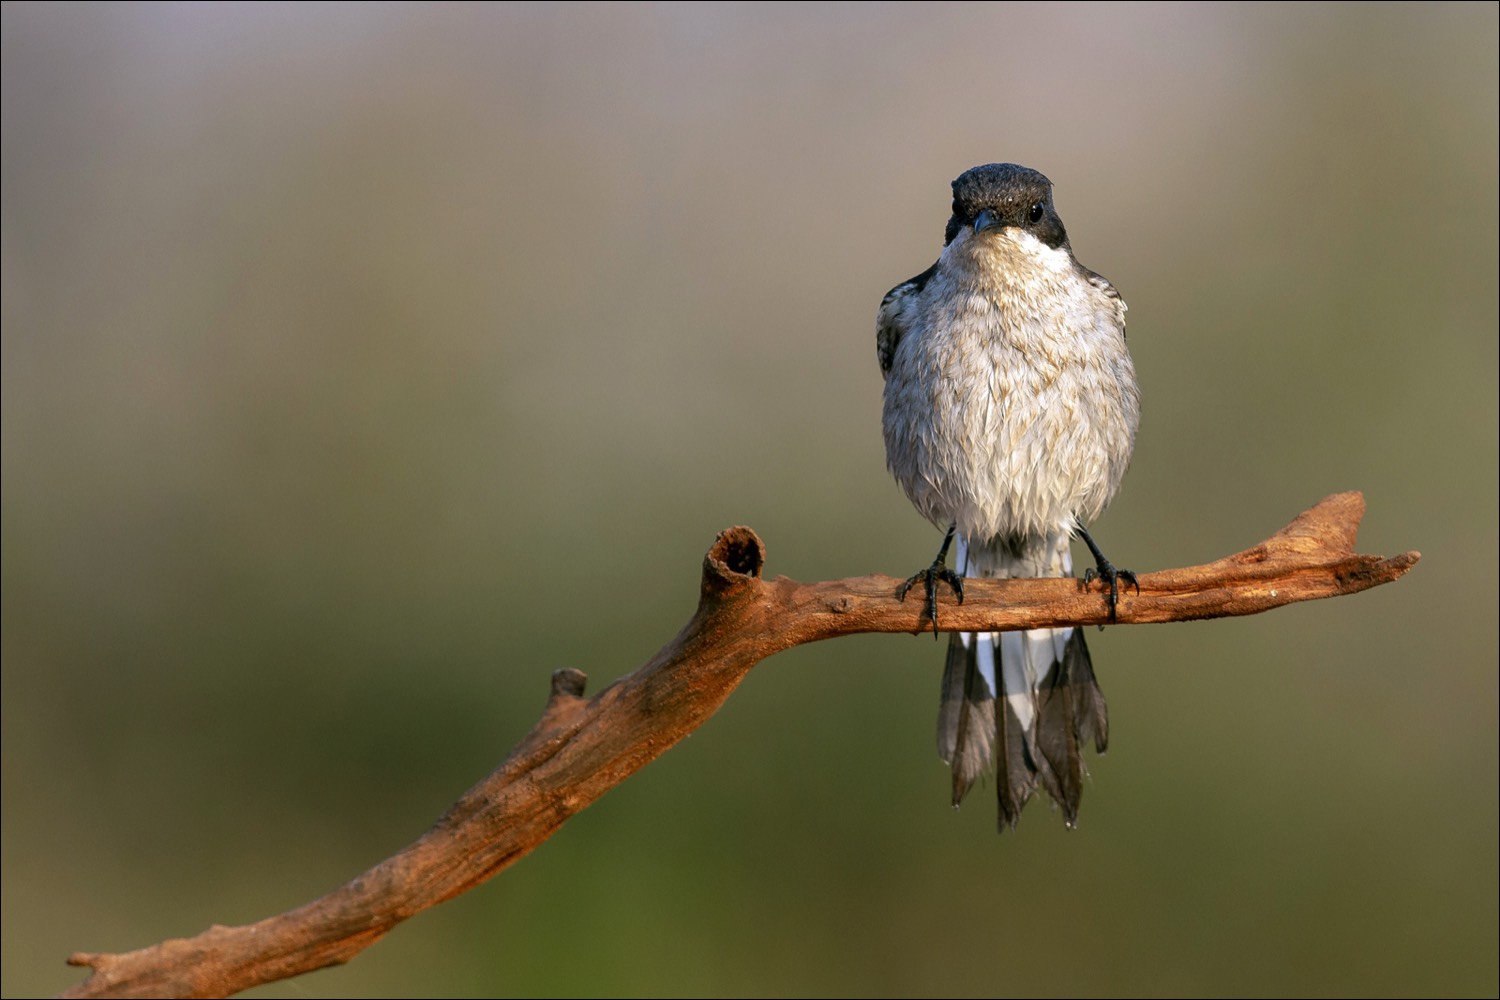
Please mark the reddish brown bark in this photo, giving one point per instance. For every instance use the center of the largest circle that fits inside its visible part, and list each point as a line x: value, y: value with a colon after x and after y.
x: 582, y: 747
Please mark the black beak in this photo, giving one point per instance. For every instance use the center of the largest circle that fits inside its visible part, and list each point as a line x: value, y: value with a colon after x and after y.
x: 987, y: 220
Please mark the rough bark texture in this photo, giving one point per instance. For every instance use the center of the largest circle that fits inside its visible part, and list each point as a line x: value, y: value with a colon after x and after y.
x: 582, y: 747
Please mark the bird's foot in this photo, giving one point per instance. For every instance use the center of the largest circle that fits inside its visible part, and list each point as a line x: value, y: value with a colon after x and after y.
x: 1106, y: 572
x: 931, y: 577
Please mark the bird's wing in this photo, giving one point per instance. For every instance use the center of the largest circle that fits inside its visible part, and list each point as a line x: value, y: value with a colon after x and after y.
x: 894, y: 317
x: 1102, y: 283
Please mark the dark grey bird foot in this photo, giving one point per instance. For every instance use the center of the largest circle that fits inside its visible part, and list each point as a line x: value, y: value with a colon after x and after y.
x: 931, y: 577
x: 1106, y: 571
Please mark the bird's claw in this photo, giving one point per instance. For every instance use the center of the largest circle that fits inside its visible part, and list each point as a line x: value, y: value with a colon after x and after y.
x: 1108, y: 573
x: 930, y: 577
x: 1105, y: 570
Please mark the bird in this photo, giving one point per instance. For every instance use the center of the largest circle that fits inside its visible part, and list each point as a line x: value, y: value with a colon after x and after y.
x: 1010, y: 414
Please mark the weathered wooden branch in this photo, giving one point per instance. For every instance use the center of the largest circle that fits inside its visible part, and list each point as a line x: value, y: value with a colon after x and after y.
x: 583, y: 747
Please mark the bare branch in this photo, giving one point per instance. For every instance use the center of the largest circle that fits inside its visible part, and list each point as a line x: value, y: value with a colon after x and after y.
x: 582, y: 747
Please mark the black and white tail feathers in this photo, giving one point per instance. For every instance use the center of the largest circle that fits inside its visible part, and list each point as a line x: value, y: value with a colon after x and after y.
x: 1049, y: 704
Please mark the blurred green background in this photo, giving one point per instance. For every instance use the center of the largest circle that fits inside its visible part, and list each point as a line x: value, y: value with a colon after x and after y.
x: 364, y: 365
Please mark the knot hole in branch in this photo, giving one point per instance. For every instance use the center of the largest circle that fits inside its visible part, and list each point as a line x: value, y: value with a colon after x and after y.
x: 736, y: 556
x: 568, y: 682
x: 565, y: 699
x: 740, y: 550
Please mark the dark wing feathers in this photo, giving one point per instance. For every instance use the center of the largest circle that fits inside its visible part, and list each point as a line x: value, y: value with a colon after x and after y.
x: 891, y: 321
x: 1102, y: 283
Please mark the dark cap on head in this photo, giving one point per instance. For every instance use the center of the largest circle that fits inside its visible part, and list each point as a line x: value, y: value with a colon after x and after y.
x: 1009, y: 195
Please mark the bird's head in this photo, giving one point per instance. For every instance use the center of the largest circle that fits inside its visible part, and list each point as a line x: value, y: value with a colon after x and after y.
x: 999, y: 196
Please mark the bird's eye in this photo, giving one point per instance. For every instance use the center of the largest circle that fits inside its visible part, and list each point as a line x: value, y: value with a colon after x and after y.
x: 958, y: 209
x: 1036, y: 213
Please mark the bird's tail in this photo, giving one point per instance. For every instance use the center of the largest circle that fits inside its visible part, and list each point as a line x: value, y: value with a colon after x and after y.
x: 1049, y: 703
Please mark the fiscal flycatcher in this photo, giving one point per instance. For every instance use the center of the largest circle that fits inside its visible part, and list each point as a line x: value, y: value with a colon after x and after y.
x: 1011, y: 409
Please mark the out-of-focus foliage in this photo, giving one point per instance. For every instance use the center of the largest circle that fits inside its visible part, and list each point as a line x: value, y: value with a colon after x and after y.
x: 348, y: 352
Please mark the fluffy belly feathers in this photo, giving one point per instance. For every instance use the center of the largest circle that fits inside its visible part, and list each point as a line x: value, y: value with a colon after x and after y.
x: 1013, y: 435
